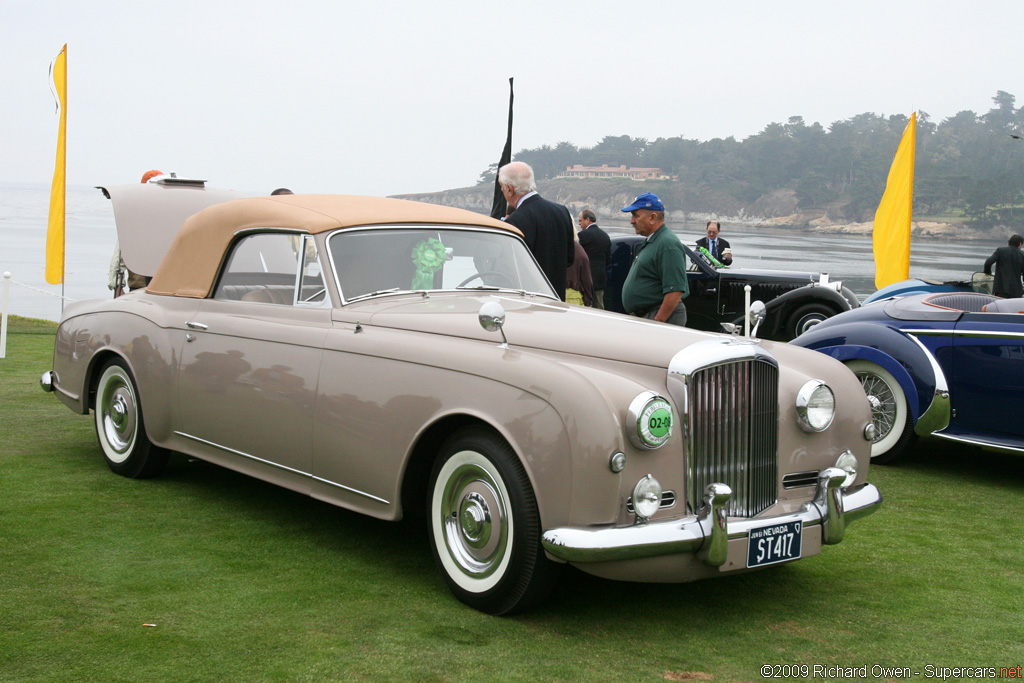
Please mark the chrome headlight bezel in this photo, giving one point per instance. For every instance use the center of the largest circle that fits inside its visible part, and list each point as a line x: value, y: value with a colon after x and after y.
x: 815, y: 406
x: 649, y: 421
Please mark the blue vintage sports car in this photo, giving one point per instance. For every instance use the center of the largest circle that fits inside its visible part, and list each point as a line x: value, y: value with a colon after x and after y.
x: 948, y: 364
x: 979, y: 282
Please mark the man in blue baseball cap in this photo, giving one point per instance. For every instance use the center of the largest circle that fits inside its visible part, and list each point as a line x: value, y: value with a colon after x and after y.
x: 656, y: 284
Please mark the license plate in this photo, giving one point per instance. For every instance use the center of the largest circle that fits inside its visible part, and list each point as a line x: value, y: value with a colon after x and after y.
x: 774, y: 543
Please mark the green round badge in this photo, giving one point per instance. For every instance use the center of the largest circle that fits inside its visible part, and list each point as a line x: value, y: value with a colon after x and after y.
x: 656, y: 422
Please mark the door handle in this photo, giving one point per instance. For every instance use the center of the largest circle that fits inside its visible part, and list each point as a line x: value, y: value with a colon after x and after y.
x: 195, y: 325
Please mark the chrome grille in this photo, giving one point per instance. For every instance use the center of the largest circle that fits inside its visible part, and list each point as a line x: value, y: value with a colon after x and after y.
x: 733, y: 428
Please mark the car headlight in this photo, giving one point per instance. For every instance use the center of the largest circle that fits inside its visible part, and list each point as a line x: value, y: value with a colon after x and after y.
x: 847, y: 462
x: 649, y: 421
x: 815, y: 406
x: 646, y: 498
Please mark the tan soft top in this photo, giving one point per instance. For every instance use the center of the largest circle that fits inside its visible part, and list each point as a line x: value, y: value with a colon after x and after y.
x: 192, y: 261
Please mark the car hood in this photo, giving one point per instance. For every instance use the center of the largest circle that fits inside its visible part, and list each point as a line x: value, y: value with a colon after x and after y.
x: 149, y: 215
x: 544, y: 324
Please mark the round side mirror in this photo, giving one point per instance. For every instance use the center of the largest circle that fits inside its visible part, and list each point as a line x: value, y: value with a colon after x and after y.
x: 492, y: 316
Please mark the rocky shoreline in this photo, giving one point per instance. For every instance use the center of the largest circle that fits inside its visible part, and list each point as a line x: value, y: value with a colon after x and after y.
x: 478, y: 199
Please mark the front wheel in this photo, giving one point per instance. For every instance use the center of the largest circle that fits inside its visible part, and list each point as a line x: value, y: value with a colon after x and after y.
x: 485, y: 527
x: 807, y: 316
x: 120, y: 428
x: 894, y: 429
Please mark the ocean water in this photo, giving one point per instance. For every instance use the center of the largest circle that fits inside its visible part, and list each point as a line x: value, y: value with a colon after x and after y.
x: 90, y: 236
x: 89, y: 243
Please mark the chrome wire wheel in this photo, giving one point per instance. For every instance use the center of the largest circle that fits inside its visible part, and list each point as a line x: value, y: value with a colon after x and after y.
x: 894, y: 428
x: 472, y: 520
x: 883, y: 403
x: 117, y: 414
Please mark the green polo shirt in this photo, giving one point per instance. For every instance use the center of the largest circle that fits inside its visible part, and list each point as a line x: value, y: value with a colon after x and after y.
x: 659, y: 268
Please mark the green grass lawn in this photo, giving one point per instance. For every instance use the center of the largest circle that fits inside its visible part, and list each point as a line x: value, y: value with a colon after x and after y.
x: 206, y: 575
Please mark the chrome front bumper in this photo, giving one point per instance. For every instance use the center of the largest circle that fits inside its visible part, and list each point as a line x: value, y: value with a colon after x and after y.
x: 709, y: 531
x: 47, y: 381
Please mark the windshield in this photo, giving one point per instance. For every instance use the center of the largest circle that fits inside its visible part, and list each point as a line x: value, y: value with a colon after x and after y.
x: 377, y: 261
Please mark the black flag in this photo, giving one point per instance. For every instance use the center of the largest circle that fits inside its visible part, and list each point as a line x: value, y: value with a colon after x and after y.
x: 499, y: 206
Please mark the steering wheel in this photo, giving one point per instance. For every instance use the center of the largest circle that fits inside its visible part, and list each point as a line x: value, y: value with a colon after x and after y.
x: 482, y: 273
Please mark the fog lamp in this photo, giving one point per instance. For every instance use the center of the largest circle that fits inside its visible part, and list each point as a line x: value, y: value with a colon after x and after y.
x: 870, y: 431
x: 847, y: 462
x: 646, y: 498
x: 815, y: 406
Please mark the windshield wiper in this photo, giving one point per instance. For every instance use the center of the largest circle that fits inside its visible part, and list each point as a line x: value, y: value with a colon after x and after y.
x: 379, y: 292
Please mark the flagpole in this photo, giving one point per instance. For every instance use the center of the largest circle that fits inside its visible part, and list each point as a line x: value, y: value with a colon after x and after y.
x: 499, y: 206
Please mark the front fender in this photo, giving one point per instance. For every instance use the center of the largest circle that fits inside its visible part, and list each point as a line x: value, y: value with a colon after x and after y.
x: 806, y: 294
x: 883, y: 360
x: 889, y: 348
x: 777, y: 310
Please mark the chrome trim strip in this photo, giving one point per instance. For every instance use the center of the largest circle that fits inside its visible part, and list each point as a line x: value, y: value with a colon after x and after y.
x: 351, y: 490
x: 966, y: 333
x: 282, y: 467
x: 938, y: 413
x: 832, y: 508
x: 980, y: 442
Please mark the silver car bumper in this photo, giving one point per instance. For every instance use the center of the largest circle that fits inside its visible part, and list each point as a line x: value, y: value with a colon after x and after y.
x: 47, y: 381
x: 709, y: 531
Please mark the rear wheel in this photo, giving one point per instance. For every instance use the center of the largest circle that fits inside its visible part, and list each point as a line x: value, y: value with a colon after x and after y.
x: 894, y: 429
x: 120, y: 428
x: 807, y: 316
x: 485, y: 527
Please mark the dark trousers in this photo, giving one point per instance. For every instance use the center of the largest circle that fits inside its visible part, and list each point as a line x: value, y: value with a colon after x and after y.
x: 678, y: 316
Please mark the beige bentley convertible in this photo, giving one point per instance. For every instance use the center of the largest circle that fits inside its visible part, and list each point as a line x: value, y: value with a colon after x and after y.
x: 394, y: 357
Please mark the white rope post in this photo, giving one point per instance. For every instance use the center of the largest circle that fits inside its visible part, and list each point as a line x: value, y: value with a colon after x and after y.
x: 746, y: 311
x: 3, y: 317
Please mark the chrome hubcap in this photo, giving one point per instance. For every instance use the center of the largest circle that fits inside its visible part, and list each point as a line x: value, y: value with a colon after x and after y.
x: 475, y: 521
x: 117, y: 406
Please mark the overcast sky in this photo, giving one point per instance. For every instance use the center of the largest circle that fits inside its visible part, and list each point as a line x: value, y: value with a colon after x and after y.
x: 382, y: 98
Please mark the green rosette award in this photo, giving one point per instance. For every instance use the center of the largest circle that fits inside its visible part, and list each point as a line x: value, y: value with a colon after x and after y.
x: 428, y: 256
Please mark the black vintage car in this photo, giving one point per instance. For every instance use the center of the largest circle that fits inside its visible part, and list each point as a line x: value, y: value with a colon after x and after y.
x: 795, y: 301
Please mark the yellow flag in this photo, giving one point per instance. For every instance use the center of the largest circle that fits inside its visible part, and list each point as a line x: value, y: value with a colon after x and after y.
x: 892, y: 219
x: 55, y: 231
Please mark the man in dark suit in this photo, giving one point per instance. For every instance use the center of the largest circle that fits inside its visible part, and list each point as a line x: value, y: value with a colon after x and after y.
x: 716, y: 246
x: 1009, y: 263
x: 546, y: 226
x: 598, y: 246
